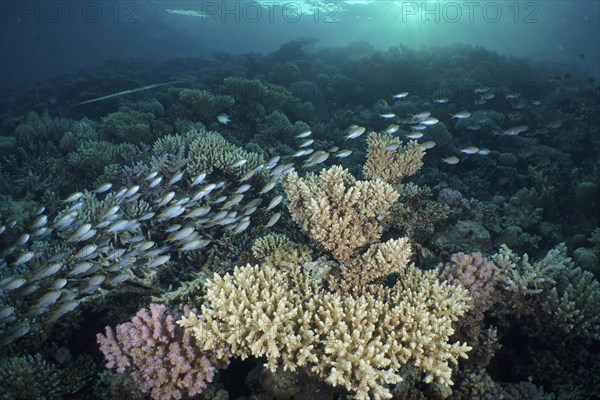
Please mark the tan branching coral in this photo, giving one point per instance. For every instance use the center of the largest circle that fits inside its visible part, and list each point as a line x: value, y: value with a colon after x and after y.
x: 388, y: 165
x: 337, y: 211
x: 359, y: 342
x: 279, y: 251
x: 379, y: 261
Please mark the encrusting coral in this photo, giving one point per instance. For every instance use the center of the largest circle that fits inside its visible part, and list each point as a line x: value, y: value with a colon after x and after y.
x: 358, y: 342
x: 338, y: 212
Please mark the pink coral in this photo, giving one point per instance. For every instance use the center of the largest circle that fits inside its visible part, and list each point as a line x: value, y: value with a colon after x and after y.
x: 161, y: 357
x: 477, y: 275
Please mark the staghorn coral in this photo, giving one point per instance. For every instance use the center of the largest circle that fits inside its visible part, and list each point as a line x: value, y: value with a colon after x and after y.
x: 337, y: 211
x: 202, y: 105
x: 379, y: 261
x: 277, y: 250
x: 391, y: 166
x: 358, y: 342
x: 551, y: 295
x: 127, y: 125
x: 29, y: 378
x: 160, y: 357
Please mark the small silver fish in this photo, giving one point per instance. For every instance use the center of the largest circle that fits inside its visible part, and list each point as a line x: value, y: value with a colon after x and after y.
x: 400, y: 95
x: 131, y: 191
x: 306, y: 143
x: 13, y: 284
x: 248, y: 175
x: 268, y: 187
x: 176, y: 178
x: 317, y: 158
x: 393, y: 128
x: 233, y: 201
x: 300, y: 153
x: 180, y: 235
x: 41, y: 231
x: 147, y: 216
x: 430, y: 121
x: 430, y: 144
x: 81, y: 268
x: 387, y: 115
x: 48, y: 299
x: 241, y: 226
x: 219, y: 216
x: 274, y: 218
x: 151, y: 176
x: 416, y: 135
x: 24, y: 238
x: 470, y: 150
x: 343, y: 153
x: 109, y: 213
x: 275, y: 202
x: 75, y: 207
x: 103, y: 188
x: 461, y: 115
x: 73, y: 197
x: 171, y: 212
x: 198, y: 212
x: 243, y: 188
x: 24, y: 258
x: 199, y: 179
x: 80, y: 232
x: 194, y: 245
x: 239, y: 163
x: 223, y: 119
x: 303, y: 135
x: 155, y: 182
x: 145, y: 245
x: 64, y: 307
x: 118, y: 226
x: 165, y: 199
x: 354, y: 132
x: 122, y: 277
x: 6, y: 312
x: 450, y: 160
x: 40, y: 221
x: 58, y: 284
x: 86, y: 251
x: 47, y: 271
x: 158, y: 261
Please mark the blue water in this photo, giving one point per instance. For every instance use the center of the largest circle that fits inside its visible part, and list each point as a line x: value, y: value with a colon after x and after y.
x: 42, y: 39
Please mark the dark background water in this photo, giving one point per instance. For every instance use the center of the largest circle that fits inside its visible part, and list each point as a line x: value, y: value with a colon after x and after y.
x: 42, y: 39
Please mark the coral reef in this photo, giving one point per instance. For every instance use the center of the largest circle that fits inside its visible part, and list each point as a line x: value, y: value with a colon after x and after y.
x: 351, y: 341
x: 160, y: 357
x: 337, y: 211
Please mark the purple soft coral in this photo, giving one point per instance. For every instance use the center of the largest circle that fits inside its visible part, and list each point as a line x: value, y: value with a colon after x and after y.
x: 161, y: 357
